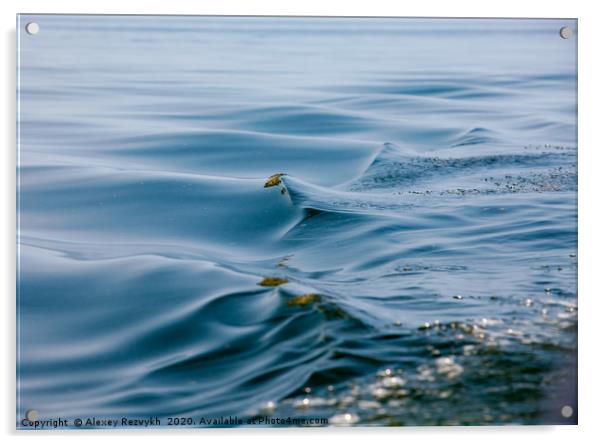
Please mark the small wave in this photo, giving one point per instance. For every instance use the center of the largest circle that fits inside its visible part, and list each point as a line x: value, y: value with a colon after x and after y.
x: 314, y: 197
x: 475, y: 136
x: 388, y: 184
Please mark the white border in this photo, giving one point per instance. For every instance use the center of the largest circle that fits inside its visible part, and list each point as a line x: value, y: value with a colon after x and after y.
x: 590, y: 224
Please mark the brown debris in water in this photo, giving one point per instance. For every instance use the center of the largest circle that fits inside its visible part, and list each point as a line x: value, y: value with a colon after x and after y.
x: 273, y: 180
x: 304, y: 299
x: 272, y: 281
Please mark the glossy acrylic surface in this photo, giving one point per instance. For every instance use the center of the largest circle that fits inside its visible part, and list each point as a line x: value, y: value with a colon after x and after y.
x: 428, y: 209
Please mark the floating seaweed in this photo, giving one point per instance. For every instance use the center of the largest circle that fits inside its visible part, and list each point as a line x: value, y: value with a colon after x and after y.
x: 272, y: 281
x: 273, y: 180
x: 304, y: 299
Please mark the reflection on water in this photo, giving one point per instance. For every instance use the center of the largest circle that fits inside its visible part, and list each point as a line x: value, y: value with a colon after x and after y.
x: 411, y: 259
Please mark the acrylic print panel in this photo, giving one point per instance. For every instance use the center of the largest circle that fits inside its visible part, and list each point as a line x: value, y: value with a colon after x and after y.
x: 251, y: 221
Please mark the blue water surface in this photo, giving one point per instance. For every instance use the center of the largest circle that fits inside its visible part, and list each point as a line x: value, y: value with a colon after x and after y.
x: 415, y: 264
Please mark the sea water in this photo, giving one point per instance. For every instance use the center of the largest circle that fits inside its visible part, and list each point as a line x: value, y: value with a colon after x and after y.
x: 415, y: 264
